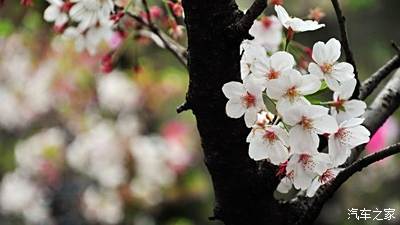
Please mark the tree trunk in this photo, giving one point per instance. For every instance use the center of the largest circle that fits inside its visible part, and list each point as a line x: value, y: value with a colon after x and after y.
x: 243, y: 191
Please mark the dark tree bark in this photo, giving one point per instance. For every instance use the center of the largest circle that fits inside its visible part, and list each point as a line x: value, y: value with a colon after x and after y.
x: 243, y: 195
x: 243, y: 188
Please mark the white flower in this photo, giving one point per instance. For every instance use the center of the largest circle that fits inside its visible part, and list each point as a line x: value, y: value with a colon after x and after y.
x: 57, y: 12
x: 19, y: 195
x: 290, y: 88
x: 349, y: 135
x: 267, y: 33
x: 327, y: 67
x: 16, y: 193
x: 308, y: 121
x: 152, y: 171
x: 251, y: 52
x: 296, y: 24
x: 271, y: 68
x: 100, y: 154
x: 301, y: 169
x: 328, y: 176
x: 44, y: 146
x: 91, y: 12
x: 117, y: 92
x: 104, y: 206
x: 269, y: 143
x: 244, y: 99
x: 90, y: 39
x: 342, y: 107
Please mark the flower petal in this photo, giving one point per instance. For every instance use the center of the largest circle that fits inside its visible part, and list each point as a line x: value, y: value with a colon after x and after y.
x: 332, y: 49
x: 343, y: 71
x: 233, y: 90
x: 310, y: 85
x: 51, y: 13
x: 278, y: 153
x: 315, y: 70
x: 250, y: 117
x: 235, y: 109
x: 319, y: 53
x: 283, y: 16
x: 282, y: 60
x: 258, y: 150
x: 346, y: 89
x: 325, y: 124
x: 303, y: 141
x: 285, y: 185
x: 355, y: 108
x: 337, y: 151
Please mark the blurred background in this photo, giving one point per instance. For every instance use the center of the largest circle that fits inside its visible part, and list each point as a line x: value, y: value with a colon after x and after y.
x: 80, y: 146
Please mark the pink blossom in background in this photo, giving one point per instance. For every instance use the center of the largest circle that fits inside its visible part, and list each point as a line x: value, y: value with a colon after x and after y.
x: 116, y: 39
x: 175, y: 133
x: 386, y: 135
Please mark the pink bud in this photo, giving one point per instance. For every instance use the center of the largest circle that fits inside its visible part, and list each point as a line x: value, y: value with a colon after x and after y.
x: 176, y: 8
x: 59, y: 29
x: 117, y: 16
x: 276, y: 2
x: 156, y: 12
x: 107, y: 63
x: 66, y: 6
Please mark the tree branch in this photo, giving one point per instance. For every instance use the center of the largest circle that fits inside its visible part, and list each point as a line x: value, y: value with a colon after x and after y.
x: 345, y: 43
x: 384, y: 105
x: 369, y: 85
x: 172, y: 46
x: 183, y: 107
x: 314, y: 205
x: 243, y: 26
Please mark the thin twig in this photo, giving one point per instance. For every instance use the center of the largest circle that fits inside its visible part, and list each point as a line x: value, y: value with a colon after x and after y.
x: 147, y: 10
x: 184, y: 107
x: 243, y: 26
x: 172, y: 46
x: 345, y: 43
x: 314, y: 205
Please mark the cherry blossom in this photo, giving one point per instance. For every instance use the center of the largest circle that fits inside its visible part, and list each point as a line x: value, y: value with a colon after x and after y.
x: 290, y: 88
x: 301, y: 169
x: 271, y: 68
x: 344, y: 108
x: 91, y: 12
x: 251, y: 53
x: 244, y: 99
x: 326, y: 67
x: 269, y: 143
x: 57, y: 12
x: 325, y: 178
x: 33, y: 153
x: 296, y: 24
x: 307, y: 122
x: 349, y: 134
x: 102, y: 205
x: 117, y: 92
x: 90, y: 39
x: 267, y: 32
x: 19, y: 194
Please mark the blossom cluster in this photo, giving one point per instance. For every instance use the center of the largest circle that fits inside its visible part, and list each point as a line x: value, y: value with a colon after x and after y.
x: 92, y: 22
x: 92, y: 126
x: 287, y: 133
